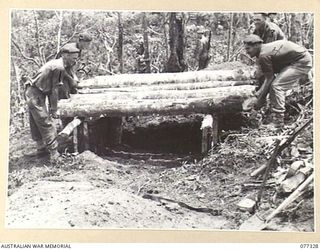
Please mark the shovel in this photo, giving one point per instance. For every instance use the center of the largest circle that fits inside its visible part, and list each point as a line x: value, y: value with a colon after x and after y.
x: 256, y: 223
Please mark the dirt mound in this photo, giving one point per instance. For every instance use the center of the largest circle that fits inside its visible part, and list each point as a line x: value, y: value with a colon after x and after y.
x: 87, y: 191
x: 74, y: 202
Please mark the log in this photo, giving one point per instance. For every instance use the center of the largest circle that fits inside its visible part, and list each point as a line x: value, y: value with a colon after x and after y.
x: 228, y: 99
x: 123, y: 80
x: 173, y: 86
x: 156, y: 95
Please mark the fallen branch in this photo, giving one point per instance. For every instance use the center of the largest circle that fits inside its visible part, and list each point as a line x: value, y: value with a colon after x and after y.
x: 292, y: 197
x: 283, y: 144
x: 160, y: 199
x: 269, y: 165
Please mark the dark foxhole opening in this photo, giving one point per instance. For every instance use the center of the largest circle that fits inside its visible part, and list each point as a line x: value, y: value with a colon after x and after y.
x: 177, y: 135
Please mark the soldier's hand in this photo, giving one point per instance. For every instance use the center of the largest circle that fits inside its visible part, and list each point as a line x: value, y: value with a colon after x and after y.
x: 55, y: 115
x: 258, y: 104
x: 249, y: 104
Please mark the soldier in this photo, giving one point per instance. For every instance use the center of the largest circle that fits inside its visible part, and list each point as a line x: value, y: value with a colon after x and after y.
x: 141, y: 61
x: 289, y: 61
x: 45, y: 84
x: 203, y: 48
x: 268, y: 31
x: 273, y: 18
x: 83, y: 43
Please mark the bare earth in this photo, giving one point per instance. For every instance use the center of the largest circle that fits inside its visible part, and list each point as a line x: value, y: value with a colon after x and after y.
x: 88, y: 191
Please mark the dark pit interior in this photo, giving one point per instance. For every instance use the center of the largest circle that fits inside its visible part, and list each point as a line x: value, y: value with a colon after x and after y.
x: 156, y: 134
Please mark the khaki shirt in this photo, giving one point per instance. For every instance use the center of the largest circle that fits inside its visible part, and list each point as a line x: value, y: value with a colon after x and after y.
x: 270, y: 32
x: 49, y: 77
x: 276, y: 55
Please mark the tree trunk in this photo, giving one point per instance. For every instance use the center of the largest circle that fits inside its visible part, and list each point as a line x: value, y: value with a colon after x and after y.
x: 135, y: 80
x: 227, y: 99
x: 230, y: 36
x: 146, y: 42
x: 59, y: 31
x: 295, y: 34
x: 287, y: 18
x: 176, y: 42
x: 37, y: 37
x: 18, y: 77
x: 165, y: 35
x: 173, y: 86
x: 146, y: 94
x: 120, y: 43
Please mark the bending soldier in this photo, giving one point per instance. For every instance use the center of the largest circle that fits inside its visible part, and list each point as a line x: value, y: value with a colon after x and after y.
x: 45, y: 84
x: 290, y: 61
x: 83, y: 43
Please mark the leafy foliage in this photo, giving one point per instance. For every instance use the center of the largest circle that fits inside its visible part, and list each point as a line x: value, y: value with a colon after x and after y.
x: 37, y: 35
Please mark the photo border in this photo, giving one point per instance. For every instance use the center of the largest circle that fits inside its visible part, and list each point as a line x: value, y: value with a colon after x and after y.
x: 145, y: 235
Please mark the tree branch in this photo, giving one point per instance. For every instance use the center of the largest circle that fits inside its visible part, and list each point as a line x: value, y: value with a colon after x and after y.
x: 42, y: 60
x: 59, y: 30
x: 155, y: 32
x: 23, y: 55
x: 75, y: 32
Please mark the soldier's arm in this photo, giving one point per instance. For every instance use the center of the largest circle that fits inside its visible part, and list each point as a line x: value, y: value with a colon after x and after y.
x: 281, y: 35
x: 56, y: 81
x: 70, y: 78
x: 266, y: 66
x: 53, y: 102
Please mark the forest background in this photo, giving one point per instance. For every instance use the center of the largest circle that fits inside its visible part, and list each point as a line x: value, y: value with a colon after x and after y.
x: 38, y: 35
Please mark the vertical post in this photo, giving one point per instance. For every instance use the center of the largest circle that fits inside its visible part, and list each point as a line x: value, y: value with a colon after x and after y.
x: 75, y: 140
x: 215, y: 129
x: 85, y: 135
x: 204, y: 141
x: 210, y: 132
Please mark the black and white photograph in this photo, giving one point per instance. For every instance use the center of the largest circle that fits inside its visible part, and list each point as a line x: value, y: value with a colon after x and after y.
x: 161, y: 120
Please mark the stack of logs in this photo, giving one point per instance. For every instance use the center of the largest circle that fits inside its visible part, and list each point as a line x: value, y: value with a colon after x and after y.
x: 207, y: 92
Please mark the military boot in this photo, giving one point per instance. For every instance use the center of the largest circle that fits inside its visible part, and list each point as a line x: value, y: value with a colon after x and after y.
x: 278, y: 120
x: 55, y: 157
x: 267, y: 118
x: 41, y: 151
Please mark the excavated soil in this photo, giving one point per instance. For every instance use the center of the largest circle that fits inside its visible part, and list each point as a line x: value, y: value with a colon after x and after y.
x: 110, y: 191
